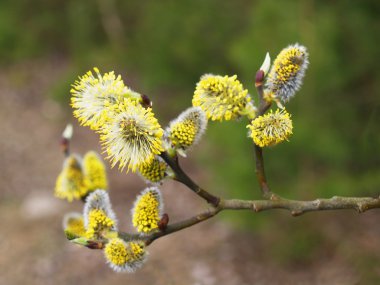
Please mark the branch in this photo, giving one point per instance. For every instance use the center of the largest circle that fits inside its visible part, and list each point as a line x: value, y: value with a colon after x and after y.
x: 296, y: 208
x: 209, y: 213
x: 182, y: 177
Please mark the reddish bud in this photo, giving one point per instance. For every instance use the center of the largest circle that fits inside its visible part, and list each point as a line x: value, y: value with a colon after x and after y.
x: 163, y: 223
x: 145, y: 101
x: 94, y: 244
x: 259, y: 78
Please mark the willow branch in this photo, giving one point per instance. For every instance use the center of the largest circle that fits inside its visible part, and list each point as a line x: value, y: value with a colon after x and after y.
x: 182, y: 177
x: 295, y: 207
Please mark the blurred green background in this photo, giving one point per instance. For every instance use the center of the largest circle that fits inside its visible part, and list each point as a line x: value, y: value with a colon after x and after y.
x: 161, y: 48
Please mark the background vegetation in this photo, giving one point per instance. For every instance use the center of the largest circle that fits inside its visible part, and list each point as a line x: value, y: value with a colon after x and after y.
x: 163, y: 47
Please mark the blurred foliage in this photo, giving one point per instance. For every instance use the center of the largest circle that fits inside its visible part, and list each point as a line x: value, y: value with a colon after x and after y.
x: 165, y: 46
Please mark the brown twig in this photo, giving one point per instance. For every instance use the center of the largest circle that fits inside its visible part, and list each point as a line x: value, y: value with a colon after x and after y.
x: 260, y: 174
x: 182, y: 177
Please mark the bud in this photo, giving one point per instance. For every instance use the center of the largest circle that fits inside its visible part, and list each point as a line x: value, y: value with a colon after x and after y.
x: 68, y: 132
x: 163, y: 223
x: 146, y: 102
x: 266, y: 64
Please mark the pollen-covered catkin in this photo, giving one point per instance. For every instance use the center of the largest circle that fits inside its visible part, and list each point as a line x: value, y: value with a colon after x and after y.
x: 94, y: 171
x: 73, y: 225
x: 155, y: 171
x: 287, y: 72
x: 147, y: 209
x: 133, y: 137
x: 271, y: 129
x: 221, y: 97
x: 125, y: 256
x: 93, y: 95
x: 71, y: 184
x: 99, y: 218
x: 186, y: 130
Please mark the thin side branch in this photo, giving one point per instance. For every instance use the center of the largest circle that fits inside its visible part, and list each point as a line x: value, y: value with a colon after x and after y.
x: 263, y: 107
x: 182, y: 177
x: 212, y: 211
x: 260, y: 174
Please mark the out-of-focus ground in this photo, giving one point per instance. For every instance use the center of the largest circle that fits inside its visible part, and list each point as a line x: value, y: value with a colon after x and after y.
x: 33, y: 248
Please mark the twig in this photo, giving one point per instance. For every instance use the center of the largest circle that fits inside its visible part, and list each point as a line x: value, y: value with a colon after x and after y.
x: 260, y: 174
x: 263, y: 107
x: 182, y: 177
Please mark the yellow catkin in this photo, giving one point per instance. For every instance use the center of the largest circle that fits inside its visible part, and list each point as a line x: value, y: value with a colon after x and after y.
x: 71, y: 184
x: 134, y: 137
x: 271, y: 129
x: 146, y: 211
x: 99, y: 224
x: 221, y: 97
x: 95, y: 172
x: 183, y: 133
x: 74, y: 226
x: 154, y: 171
x: 124, y: 256
x: 287, y: 72
x: 94, y: 94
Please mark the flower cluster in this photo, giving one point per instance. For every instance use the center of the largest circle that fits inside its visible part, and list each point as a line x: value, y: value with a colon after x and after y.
x: 73, y: 225
x: 93, y: 95
x: 77, y: 179
x: 133, y: 137
x: 147, y: 210
x: 95, y: 171
x: 71, y: 183
x: 271, y: 129
x: 221, y: 97
x: 125, y: 256
x: 287, y: 72
x: 187, y: 129
x: 156, y: 171
x: 99, y: 218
